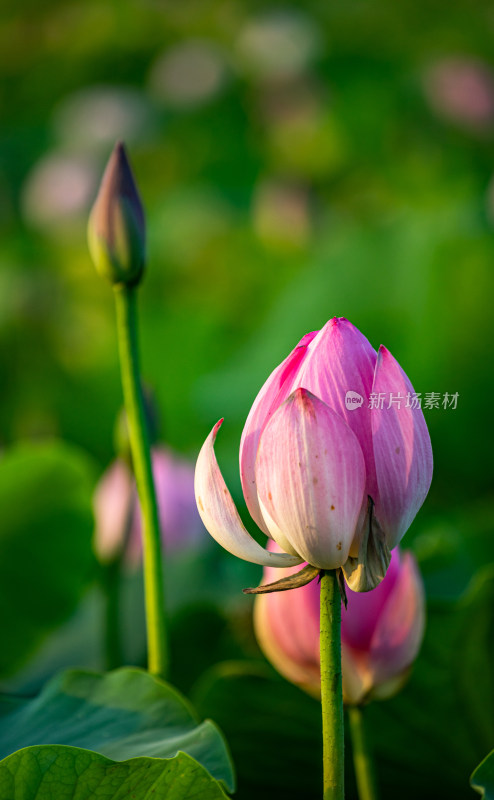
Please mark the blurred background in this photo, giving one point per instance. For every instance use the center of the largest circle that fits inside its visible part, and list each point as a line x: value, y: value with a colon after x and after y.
x: 295, y: 163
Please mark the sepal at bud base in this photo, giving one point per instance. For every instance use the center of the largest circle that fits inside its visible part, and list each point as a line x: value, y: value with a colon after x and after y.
x: 366, y: 571
x: 116, y: 229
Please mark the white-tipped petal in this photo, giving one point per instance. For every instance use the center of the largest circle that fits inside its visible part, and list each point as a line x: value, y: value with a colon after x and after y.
x: 220, y: 516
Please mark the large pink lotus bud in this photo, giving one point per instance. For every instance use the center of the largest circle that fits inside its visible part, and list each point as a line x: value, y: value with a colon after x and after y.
x: 334, y: 482
x: 381, y: 632
x: 118, y: 513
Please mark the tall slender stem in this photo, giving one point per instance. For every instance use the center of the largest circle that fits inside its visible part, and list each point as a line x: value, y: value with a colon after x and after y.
x: 364, y: 768
x: 331, y: 688
x: 125, y: 299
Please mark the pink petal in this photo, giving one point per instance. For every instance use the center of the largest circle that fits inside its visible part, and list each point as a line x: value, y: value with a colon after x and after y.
x: 359, y: 620
x: 357, y: 679
x: 180, y: 522
x: 287, y: 628
x: 402, y: 451
x: 112, y: 504
x: 400, y: 625
x: 340, y: 359
x: 275, y: 390
x: 310, y: 475
x: 220, y: 516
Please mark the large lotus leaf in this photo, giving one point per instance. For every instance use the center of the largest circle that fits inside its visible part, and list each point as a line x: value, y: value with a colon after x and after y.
x: 46, y: 526
x: 273, y: 729
x: 57, y: 772
x: 483, y: 777
x: 121, y: 715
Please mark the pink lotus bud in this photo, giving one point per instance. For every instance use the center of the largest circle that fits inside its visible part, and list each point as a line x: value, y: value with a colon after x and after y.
x: 118, y: 513
x: 311, y: 457
x: 381, y: 632
x: 116, y: 231
x: 112, y: 501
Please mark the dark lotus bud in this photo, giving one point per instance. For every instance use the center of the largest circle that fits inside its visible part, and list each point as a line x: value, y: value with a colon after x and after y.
x: 116, y: 230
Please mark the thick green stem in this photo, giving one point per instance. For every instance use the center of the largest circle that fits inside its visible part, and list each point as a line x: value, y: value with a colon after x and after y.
x: 331, y: 688
x: 364, y: 768
x: 125, y: 298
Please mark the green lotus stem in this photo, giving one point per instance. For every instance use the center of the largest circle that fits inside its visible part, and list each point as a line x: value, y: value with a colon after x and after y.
x: 125, y: 299
x: 331, y: 688
x: 362, y: 760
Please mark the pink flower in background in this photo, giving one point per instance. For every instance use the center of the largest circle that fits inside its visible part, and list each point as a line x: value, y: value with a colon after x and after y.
x: 381, y: 632
x: 112, y: 501
x: 116, y: 507
x: 310, y: 460
x: 462, y: 90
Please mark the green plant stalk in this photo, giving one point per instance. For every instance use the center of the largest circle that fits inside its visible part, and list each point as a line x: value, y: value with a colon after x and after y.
x: 331, y: 688
x: 364, y: 768
x: 126, y: 307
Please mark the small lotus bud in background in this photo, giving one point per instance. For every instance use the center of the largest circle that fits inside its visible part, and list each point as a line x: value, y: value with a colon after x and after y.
x: 118, y: 514
x: 381, y: 631
x: 116, y: 230
x: 112, y: 510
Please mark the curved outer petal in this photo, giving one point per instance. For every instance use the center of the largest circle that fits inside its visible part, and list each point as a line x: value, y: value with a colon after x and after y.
x: 339, y: 360
x: 219, y: 515
x: 310, y: 475
x: 402, y: 451
x: 275, y: 390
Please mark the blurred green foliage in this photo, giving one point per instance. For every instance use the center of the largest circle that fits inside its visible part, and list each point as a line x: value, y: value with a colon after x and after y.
x: 45, y: 544
x: 296, y: 163
x: 311, y: 176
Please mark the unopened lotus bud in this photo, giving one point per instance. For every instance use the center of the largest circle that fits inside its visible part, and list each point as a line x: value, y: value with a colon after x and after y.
x: 333, y: 482
x: 118, y: 513
x: 116, y: 231
x: 381, y: 631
